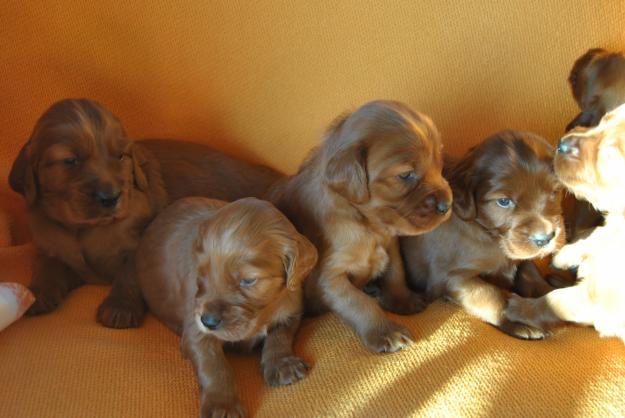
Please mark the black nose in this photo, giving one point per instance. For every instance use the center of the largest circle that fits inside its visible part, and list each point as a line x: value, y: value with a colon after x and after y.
x: 541, y: 239
x: 210, y: 321
x: 107, y: 199
x: 442, y: 207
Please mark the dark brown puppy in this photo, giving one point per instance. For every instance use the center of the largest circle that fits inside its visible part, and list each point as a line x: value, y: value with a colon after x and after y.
x: 90, y: 192
x: 377, y: 175
x: 190, y: 169
x: 506, y: 208
x: 220, y: 273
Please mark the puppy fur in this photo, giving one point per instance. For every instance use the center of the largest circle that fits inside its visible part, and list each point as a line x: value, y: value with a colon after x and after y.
x: 590, y: 164
x: 232, y: 274
x: 506, y: 209
x: 90, y: 192
x: 376, y: 175
x: 190, y: 169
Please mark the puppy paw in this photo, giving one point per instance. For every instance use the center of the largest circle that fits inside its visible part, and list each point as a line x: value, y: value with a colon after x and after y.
x: 284, y: 371
x: 45, y: 301
x: 523, y: 331
x: 410, y: 303
x: 218, y: 408
x: 566, y: 258
x: 116, y: 313
x: 387, y: 339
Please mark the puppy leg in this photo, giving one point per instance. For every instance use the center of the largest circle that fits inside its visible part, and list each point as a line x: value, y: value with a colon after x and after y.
x: 571, y: 255
x: 395, y: 295
x: 218, y: 393
x: 364, y: 315
x: 529, y: 282
x: 279, y: 365
x: 51, y: 282
x: 124, y: 306
x: 488, y: 302
x: 567, y: 304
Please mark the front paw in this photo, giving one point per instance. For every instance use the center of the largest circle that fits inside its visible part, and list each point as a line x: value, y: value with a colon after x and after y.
x: 523, y: 331
x: 119, y: 313
x: 388, y: 338
x: 410, y: 303
x: 45, y: 301
x: 566, y: 258
x: 284, y: 370
x: 216, y: 407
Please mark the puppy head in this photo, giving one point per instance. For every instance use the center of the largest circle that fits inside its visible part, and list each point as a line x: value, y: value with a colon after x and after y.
x: 591, y: 163
x: 506, y: 185
x: 597, y: 81
x: 250, y: 260
x: 386, y: 160
x: 78, y: 165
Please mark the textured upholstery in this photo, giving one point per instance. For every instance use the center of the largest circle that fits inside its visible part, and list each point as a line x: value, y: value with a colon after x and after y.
x: 260, y: 80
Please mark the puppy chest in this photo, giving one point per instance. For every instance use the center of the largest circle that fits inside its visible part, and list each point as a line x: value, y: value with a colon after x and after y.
x: 366, y: 263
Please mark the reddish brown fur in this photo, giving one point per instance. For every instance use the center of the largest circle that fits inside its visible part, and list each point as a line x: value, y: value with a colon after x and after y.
x: 482, y: 243
x: 193, y: 261
x: 78, y: 151
x: 349, y: 200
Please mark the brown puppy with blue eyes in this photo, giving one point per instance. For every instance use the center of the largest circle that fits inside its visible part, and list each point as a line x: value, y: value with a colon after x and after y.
x: 227, y: 274
x: 377, y: 175
x: 506, y: 209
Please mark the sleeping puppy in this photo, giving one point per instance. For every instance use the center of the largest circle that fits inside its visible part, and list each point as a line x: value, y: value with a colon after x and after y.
x: 597, y: 82
x: 591, y: 164
x: 218, y: 273
x: 377, y: 175
x: 506, y: 209
x: 190, y: 169
x: 90, y: 192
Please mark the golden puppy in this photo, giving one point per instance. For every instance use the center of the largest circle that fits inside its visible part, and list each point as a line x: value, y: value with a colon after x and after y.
x: 220, y: 273
x: 90, y: 192
x: 506, y: 208
x: 592, y: 165
x: 377, y: 175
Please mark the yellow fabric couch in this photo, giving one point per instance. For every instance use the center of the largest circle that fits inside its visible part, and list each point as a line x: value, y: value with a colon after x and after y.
x: 261, y: 80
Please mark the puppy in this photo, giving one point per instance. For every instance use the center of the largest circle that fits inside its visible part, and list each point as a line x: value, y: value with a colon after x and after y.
x: 377, y: 175
x: 190, y: 169
x: 597, y: 82
x: 90, y: 192
x: 220, y: 273
x: 591, y: 164
x: 506, y: 209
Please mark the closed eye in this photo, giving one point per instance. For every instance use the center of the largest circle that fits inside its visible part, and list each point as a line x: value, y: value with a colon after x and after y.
x: 407, y: 176
x: 248, y: 282
x: 71, y: 162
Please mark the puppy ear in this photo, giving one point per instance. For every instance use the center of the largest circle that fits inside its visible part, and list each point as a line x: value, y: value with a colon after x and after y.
x: 463, y: 183
x: 147, y: 176
x: 299, y: 260
x: 22, y: 177
x: 139, y: 163
x: 345, y: 172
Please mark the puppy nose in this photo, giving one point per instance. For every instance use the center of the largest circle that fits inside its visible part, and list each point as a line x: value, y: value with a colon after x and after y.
x: 541, y: 239
x: 568, y: 146
x: 442, y: 207
x: 210, y: 321
x: 107, y: 198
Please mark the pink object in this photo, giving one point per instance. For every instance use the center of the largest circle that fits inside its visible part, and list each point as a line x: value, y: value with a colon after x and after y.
x: 15, y: 299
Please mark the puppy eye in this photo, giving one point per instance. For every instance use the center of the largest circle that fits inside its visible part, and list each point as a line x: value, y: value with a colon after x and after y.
x: 248, y: 282
x: 408, y: 176
x: 71, y: 162
x: 505, y: 203
x: 123, y: 157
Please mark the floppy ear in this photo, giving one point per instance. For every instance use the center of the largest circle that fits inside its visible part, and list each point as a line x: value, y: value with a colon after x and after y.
x: 22, y: 177
x: 147, y: 175
x: 346, y: 173
x: 463, y: 183
x: 139, y: 166
x: 299, y: 260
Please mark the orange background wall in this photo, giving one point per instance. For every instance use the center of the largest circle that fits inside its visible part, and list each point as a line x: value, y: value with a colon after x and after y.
x: 261, y: 79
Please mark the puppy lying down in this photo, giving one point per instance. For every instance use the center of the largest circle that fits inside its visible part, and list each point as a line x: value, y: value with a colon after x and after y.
x: 592, y: 165
x: 506, y: 208
x: 227, y: 274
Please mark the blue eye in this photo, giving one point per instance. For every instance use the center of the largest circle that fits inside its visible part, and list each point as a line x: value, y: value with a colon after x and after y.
x: 407, y: 176
x: 71, y: 162
x: 505, y: 203
x: 247, y: 282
